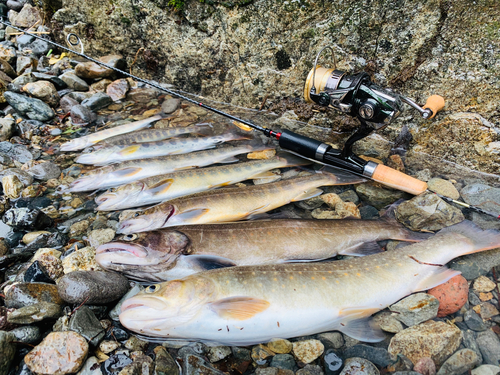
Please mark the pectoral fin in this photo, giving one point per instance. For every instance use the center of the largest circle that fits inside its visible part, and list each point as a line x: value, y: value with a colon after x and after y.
x: 239, y: 308
x: 440, y: 276
x: 187, y: 217
x: 311, y: 193
x: 266, y: 174
x: 161, y: 187
x: 365, y: 248
x: 126, y: 172
x: 363, y: 329
x: 256, y: 213
x: 230, y: 159
x: 129, y: 150
x: 209, y: 262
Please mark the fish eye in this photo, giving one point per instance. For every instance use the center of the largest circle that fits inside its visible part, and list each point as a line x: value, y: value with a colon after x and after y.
x: 136, y: 214
x: 130, y: 237
x: 151, y: 289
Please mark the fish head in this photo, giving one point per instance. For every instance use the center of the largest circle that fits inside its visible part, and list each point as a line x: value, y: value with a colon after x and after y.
x: 75, y: 144
x: 164, y: 306
x: 99, y: 157
x: 120, y: 197
x: 132, y: 221
x: 85, y: 183
x: 137, y: 253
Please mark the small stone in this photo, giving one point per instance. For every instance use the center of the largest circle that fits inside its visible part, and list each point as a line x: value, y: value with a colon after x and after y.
x: 28, y: 16
x: 37, y: 273
x: 45, y: 171
x: 388, y: 322
x: 349, y: 196
x: 425, y: 366
x: 27, y: 334
x: 483, y: 284
x: 452, y: 295
x: 489, y: 345
x: 108, y: 346
x: 97, y: 101
x: 308, y: 350
x: 25, y: 294
x: 460, y: 362
x: 194, y: 364
x: 74, y: 82
x: 142, y: 95
x: 43, y: 90
x: 84, y: 321
x: 66, y: 103
x: 377, y: 196
x: 261, y: 354
x: 283, y: 361
x: 92, y: 287
x: 7, y: 351
x: 91, y: 70
x: 416, y: 308
x: 332, y: 339
x: 34, y: 313
x: 267, y: 371
x: 59, y: 353
x: 34, y: 108
x: 16, y: 152
x: 56, y: 81
x: 164, y: 363
x: 359, y: 366
x: 395, y: 162
x: 170, y: 105
x: 91, y: 367
x: 474, y: 321
x: 114, y: 363
x: 117, y: 90
x: 81, y: 260
x: 486, y: 370
x: 486, y: 310
x: 485, y: 296
x: 280, y: 346
x: 75, y: 203
x: 81, y: 115
x: 310, y: 370
x: 99, y: 86
x: 23, y: 63
x: 261, y: 155
x: 482, y: 196
x: 378, y: 356
x: 100, y: 236
x: 443, y: 187
x: 52, y: 265
x: 12, y: 187
x: 474, y: 265
x: 332, y: 362
x: 218, y: 353
x: 79, y: 228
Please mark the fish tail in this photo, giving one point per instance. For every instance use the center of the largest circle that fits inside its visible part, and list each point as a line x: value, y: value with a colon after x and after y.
x: 481, y: 239
x: 340, y: 177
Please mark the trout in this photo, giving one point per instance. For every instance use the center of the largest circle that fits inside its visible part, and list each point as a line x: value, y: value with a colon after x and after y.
x: 89, y: 140
x: 178, y: 184
x: 133, y: 170
x: 178, y: 252
x: 252, y: 304
x: 230, y: 204
x: 117, y: 153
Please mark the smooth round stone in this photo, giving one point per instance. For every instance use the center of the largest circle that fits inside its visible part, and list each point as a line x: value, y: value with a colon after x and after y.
x: 43, y: 90
x: 485, y: 370
x: 34, y: 108
x: 452, y: 295
x: 45, y: 171
x: 59, y: 353
x: 97, y: 101
x: 92, y: 287
x: 32, y: 236
x: 332, y: 339
x: 81, y: 115
x: 24, y: 294
x: 489, y: 345
x: 332, y: 361
x: 359, y: 366
x: 92, y: 70
x: 308, y: 350
x: 280, y: 346
x: 170, y: 105
x: 443, y: 187
x: 461, y: 362
x: 74, y: 82
x: 35, y: 313
x: 27, y: 334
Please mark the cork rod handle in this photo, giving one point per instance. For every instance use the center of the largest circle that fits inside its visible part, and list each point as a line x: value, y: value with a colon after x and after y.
x: 435, y: 103
x: 397, y: 180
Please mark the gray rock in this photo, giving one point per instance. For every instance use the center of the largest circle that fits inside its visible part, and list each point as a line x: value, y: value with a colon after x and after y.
x: 97, y: 101
x: 24, y: 40
x: 388, y: 322
x: 24, y: 294
x: 164, y: 363
x: 331, y: 340
x: 34, y: 108
x: 218, y: 353
x: 349, y: 196
x: 79, y: 96
x: 378, y: 356
x: 310, y: 370
x: 91, y: 367
x: 416, y: 308
x: 24, y: 79
x: 7, y: 351
x: 16, y: 5
x: 486, y: 370
x: 474, y: 265
x: 406, y: 373
x: 113, y: 314
x: 241, y: 354
x: 86, y: 324
x: 23, y: 63
x: 473, y: 298
x: 8, y: 128
x: 283, y: 361
x: 40, y: 47
x: 67, y: 103
x: 459, y: 363
x: 267, y: 371
x: 194, y: 364
x: 469, y: 340
x: 23, y: 176
x: 26, y: 218
x: 56, y: 81
x: 45, y: 171
x: 8, y: 52
x: 74, y: 82
x: 92, y: 287
x: 35, y: 313
x: 170, y: 105
x: 81, y: 115
x: 359, y: 366
x: 474, y: 321
x: 368, y: 212
x: 483, y: 196
x: 27, y: 334
x: 16, y: 152
x: 377, y: 196
x: 489, y: 345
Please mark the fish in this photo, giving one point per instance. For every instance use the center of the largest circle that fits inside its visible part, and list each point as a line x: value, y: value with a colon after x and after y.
x: 88, y: 140
x: 230, y: 204
x: 117, y: 153
x: 247, y: 305
x: 153, y: 135
x: 177, y: 252
x: 128, y: 171
x: 178, y: 184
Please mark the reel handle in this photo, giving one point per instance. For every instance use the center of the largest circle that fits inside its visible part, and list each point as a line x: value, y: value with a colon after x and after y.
x: 435, y: 103
x: 398, y: 180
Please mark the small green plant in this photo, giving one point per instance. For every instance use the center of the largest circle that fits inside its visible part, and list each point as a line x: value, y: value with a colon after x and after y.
x: 176, y: 4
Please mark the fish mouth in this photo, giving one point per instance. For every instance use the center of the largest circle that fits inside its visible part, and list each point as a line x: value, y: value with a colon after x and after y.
x: 148, y: 302
x: 108, y: 201
x: 135, y: 225
x: 122, y: 247
x: 83, y: 184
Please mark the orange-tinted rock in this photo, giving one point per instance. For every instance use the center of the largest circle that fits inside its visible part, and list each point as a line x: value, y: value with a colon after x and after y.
x: 452, y: 295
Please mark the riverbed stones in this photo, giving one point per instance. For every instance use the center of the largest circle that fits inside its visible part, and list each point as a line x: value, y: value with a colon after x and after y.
x: 359, y: 366
x: 218, y: 353
x: 436, y: 340
x: 377, y: 196
x: 452, y: 295
x: 117, y: 90
x: 12, y: 187
x: 34, y: 313
x: 489, y: 345
x: 59, y: 353
x: 97, y: 101
x: 43, y: 90
x: 474, y: 321
x: 280, y: 346
x: 378, y: 356
x: 261, y: 354
x: 34, y: 108
x: 483, y: 196
x: 307, y: 351
x: 483, y: 284
x: 459, y: 363
x: 416, y: 308
x: 7, y: 351
x: 74, y: 82
x: 83, y: 259
x: 443, y: 187
x: 92, y: 287
x: 45, y: 171
x: 86, y: 324
x: 388, y: 322
x: 486, y: 370
x: 25, y: 294
x: 81, y: 115
x: 26, y: 218
x: 474, y: 265
x: 27, y: 334
x: 170, y: 105
x: 91, y: 70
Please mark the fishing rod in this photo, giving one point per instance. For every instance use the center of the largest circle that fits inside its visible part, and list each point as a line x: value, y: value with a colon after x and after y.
x: 354, y: 95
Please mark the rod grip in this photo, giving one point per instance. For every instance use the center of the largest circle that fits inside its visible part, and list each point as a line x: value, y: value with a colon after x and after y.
x: 435, y: 103
x: 398, y: 180
x: 302, y: 145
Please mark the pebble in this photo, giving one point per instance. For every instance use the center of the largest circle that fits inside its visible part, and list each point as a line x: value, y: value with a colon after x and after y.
x: 59, y: 353
x: 82, y: 259
x: 452, y: 295
x: 359, y: 366
x: 486, y: 370
x: 97, y: 101
x: 56, y: 81
x: 218, y: 353
x: 115, y: 363
x: 460, y: 362
x: 34, y: 313
x: 164, y: 363
x: 283, y: 361
x: 27, y: 334
x: 117, y: 90
x: 388, y: 322
x: 141, y: 364
x: 280, y: 346
x: 377, y: 196
x: 308, y: 350
x: 142, y: 95
x: 91, y: 367
x: 332, y: 362
x: 108, y: 346
x: 16, y: 152
x: 483, y: 284
x: 92, y: 287
x: 74, y: 82
x: 416, y: 308
x: 486, y: 310
x: 91, y: 70
x: 26, y: 218
x: 23, y: 294
x: 81, y: 115
x: 425, y: 366
x: 474, y: 321
x: 32, y: 236
x: 378, y: 356
x: 28, y: 16
x: 37, y: 273
x: 483, y: 196
x: 12, y: 187
x: 34, y: 108
x: 79, y: 228
x: 170, y: 105
x: 474, y: 265
x: 332, y: 340
x: 7, y: 350
x: 84, y: 322
x: 45, y: 171
x: 427, y: 212
x: 310, y: 370
x: 436, y: 340
x: 43, y: 90
x: 261, y: 354
x: 99, y: 86
x: 67, y: 102
x: 489, y: 345
x: 194, y: 364
x: 98, y: 237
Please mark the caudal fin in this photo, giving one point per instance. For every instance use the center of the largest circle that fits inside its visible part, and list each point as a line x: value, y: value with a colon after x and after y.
x: 481, y: 239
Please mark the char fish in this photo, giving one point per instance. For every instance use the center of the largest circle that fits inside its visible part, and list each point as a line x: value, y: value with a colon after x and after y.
x: 117, y: 153
x: 89, y: 140
x: 252, y: 304
x: 178, y: 252
x: 128, y: 171
x: 179, y: 184
x: 230, y: 204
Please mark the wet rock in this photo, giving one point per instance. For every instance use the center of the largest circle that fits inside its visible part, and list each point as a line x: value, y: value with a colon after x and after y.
x: 416, y: 308
x: 7, y: 351
x: 97, y: 101
x: 136, y: 344
x: 8, y: 128
x: 79, y: 228
x: 218, y: 353
x: 164, y: 363
x: 12, y: 187
x: 74, y: 82
x: 194, y: 364
x: 27, y: 334
x: 280, y: 346
x: 59, y: 353
x: 443, y: 187
x: 483, y: 196
x: 81, y: 260
x: 483, y: 284
x: 37, y: 273
x: 67, y: 103
x: 34, y: 108
x: 23, y: 176
x: 489, y: 345
x: 332, y: 362
x: 427, y: 212
x: 474, y: 265
x: 117, y: 90
x: 170, y: 105
x: 15, y: 5
x: 16, y: 152
x: 474, y: 321
x: 25, y: 294
x: 56, y: 81
x: 359, y: 366
x: 92, y: 287
x: 34, y: 313
x: 436, y: 340
x: 23, y: 63
x: 81, y: 115
x: 377, y: 196
x: 331, y: 340
x: 308, y: 350
x: 368, y: 212
x: 459, y: 363
x: 486, y: 370
x: 43, y: 90
x: 25, y: 218
x: 142, y: 364
x: 91, y: 70
x: 452, y: 295
x: 100, y: 236
x: 378, y: 356
x: 45, y: 171
x: 387, y: 322
x: 283, y: 361
x: 108, y: 346
x: 261, y: 354
x: 8, y: 53
x: 86, y: 324
x: 425, y: 366
x: 310, y: 370
x: 486, y: 310
x: 79, y: 96
x: 115, y: 363
x: 91, y: 367
x: 7, y: 68
x: 142, y: 95
x: 115, y: 312
x: 267, y: 371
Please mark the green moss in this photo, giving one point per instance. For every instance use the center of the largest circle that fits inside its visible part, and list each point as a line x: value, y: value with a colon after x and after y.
x: 176, y: 4
x: 493, y: 29
x: 308, y: 34
x: 125, y: 20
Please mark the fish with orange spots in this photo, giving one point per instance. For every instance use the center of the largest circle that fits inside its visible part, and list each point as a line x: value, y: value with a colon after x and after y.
x: 252, y: 304
x: 181, y: 251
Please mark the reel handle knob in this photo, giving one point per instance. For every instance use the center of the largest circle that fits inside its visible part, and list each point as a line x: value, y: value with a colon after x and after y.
x: 435, y: 103
x: 398, y: 180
